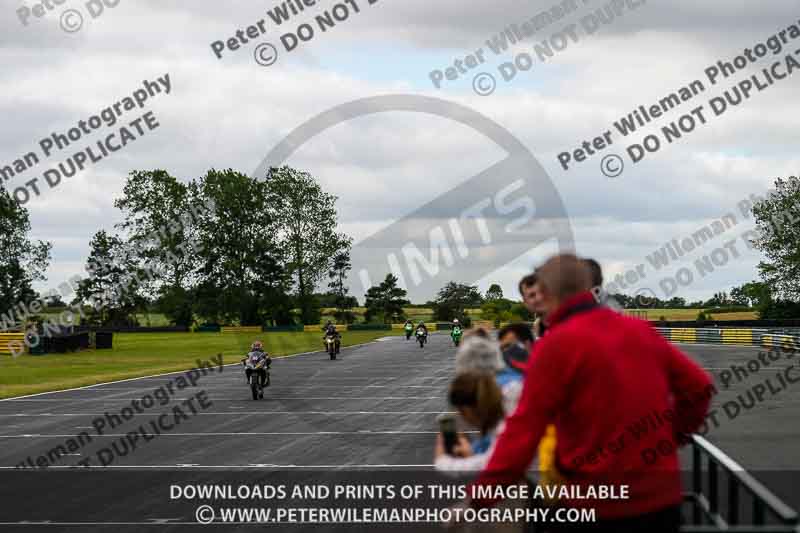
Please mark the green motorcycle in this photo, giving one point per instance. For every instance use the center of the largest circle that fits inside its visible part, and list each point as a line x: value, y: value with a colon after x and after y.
x: 409, y: 328
x: 456, y: 334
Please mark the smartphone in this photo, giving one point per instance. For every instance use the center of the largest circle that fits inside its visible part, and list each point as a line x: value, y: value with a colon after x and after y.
x: 447, y: 425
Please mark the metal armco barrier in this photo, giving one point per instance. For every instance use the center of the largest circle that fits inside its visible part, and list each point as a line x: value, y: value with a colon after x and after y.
x: 734, y: 336
x: 786, y: 342
x: 721, y: 503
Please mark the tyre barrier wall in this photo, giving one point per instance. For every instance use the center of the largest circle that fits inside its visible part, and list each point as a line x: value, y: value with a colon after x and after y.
x: 432, y: 326
x: 158, y: 329
x: 242, y: 329
x: 318, y: 328
x: 12, y: 343
x: 66, y: 343
x: 734, y: 336
x: 369, y: 327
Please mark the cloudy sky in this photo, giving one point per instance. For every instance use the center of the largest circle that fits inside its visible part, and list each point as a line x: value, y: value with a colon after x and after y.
x: 404, y: 173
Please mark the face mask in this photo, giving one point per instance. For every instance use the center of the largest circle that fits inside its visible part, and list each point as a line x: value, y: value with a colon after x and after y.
x: 515, y: 355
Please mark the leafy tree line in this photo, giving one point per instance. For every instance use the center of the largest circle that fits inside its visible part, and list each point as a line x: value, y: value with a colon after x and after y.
x: 23, y: 261
x: 777, y: 235
x: 225, y: 248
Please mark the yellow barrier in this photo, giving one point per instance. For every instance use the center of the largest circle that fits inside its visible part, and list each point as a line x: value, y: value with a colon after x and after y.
x: 683, y: 335
x: 12, y: 343
x: 241, y: 329
x: 737, y: 336
x: 785, y: 342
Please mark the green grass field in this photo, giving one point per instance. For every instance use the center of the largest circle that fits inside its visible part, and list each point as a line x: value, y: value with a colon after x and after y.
x: 691, y: 314
x: 142, y: 354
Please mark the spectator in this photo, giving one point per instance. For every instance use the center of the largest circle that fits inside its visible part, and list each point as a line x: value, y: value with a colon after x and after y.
x: 527, y: 289
x: 602, y: 297
x: 483, y: 355
x: 477, y: 332
x: 594, y: 374
x: 516, y: 341
x: 531, y: 297
x: 478, y: 399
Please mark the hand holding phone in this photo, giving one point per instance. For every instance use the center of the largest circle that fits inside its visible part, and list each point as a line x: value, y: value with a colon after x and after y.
x: 447, y: 426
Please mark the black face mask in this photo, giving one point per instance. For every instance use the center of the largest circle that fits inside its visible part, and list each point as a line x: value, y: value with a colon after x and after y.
x: 515, y: 355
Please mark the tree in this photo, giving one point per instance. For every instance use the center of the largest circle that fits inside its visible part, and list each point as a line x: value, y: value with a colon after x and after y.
x: 676, y: 302
x: 494, y: 292
x: 385, y: 302
x: 338, y: 288
x: 160, y: 221
x: 23, y: 261
x: 752, y: 294
x: 520, y: 313
x: 55, y: 302
x: 113, y: 289
x: 719, y: 299
x: 306, y: 223
x: 497, y: 310
x: 242, y: 276
x: 454, y: 299
x: 778, y: 237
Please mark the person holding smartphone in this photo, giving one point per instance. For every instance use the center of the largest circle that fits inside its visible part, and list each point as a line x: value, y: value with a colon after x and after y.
x: 479, y: 401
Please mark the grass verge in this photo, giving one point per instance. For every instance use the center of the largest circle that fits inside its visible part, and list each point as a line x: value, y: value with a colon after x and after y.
x: 142, y: 354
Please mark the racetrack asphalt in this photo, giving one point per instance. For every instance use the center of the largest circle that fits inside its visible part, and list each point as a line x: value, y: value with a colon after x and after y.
x: 374, y: 409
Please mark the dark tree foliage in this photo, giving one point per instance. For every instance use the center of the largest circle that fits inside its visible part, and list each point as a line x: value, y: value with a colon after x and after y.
x: 778, y: 237
x: 306, y: 222
x: 242, y: 278
x: 23, y: 260
x: 159, y: 221
x: 385, y: 302
x: 453, y: 301
x: 112, y: 290
x: 338, y: 288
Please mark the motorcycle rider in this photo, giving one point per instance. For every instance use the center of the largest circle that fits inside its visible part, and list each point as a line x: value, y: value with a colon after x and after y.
x: 256, y: 355
x: 330, y: 331
x: 456, y: 330
x: 408, y: 327
x: 423, y: 327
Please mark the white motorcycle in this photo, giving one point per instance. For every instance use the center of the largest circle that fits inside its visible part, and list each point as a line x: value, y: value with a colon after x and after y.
x: 253, y: 365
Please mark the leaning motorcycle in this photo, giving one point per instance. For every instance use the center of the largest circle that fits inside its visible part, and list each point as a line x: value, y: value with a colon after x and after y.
x: 332, y: 345
x: 422, y: 337
x: 255, y: 364
x: 456, y: 334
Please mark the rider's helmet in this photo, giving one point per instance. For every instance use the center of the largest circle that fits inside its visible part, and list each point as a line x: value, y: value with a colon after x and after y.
x: 421, y: 322
x: 456, y: 322
x: 257, y: 346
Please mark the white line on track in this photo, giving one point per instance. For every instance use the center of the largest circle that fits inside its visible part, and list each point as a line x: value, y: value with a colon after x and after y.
x: 170, y: 374
x: 213, y: 399
x: 232, y: 434
x: 250, y: 413
x: 247, y: 467
x: 226, y: 387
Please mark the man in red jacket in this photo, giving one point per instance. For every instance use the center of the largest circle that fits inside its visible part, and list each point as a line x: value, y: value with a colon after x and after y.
x: 622, y: 399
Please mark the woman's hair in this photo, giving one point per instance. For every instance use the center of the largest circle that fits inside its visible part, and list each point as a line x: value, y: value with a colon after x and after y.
x: 480, y: 391
x: 478, y: 353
